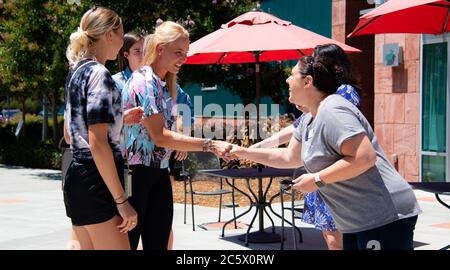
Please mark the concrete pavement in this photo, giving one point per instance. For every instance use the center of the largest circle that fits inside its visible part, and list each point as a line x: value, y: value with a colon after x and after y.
x: 32, y: 216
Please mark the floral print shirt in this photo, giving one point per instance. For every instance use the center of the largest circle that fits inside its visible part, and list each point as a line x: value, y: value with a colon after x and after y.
x: 146, y: 89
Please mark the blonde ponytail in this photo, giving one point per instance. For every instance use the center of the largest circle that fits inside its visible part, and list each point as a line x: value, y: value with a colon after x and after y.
x: 164, y: 34
x: 94, y: 23
x: 79, y: 44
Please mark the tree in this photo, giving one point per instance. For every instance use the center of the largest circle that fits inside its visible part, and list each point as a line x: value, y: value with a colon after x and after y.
x: 34, y: 35
x: 32, y: 53
x: 199, y: 17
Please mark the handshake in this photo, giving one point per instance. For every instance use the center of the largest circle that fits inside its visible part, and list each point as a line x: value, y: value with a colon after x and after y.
x: 226, y: 150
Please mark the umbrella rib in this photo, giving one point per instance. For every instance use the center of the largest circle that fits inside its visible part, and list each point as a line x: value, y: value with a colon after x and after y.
x: 366, y: 24
x: 446, y: 20
x: 437, y: 5
x: 221, y: 57
x: 300, y: 52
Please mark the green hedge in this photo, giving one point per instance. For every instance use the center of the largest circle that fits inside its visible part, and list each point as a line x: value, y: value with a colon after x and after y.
x: 32, y: 154
x: 28, y: 151
x: 33, y: 126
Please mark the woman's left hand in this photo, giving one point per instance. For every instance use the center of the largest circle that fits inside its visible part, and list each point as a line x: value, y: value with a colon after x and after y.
x: 133, y: 116
x: 305, y: 183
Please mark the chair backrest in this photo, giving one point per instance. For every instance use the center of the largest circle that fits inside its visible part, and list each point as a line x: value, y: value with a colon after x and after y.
x: 200, y: 161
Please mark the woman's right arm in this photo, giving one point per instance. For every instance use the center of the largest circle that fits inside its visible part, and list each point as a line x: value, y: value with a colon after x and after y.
x: 282, y: 137
x: 163, y: 137
x: 154, y: 121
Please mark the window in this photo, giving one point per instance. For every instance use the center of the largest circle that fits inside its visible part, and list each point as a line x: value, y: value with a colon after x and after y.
x: 434, y: 118
x: 209, y: 87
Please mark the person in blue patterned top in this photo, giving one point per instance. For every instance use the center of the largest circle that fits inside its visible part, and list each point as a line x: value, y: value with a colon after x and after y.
x: 315, y: 211
x: 130, y: 58
x: 149, y: 144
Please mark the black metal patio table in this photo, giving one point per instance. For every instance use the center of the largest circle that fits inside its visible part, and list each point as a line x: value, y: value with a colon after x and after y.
x: 257, y: 200
x: 438, y: 188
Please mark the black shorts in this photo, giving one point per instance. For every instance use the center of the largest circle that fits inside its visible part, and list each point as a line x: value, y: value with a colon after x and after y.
x: 397, y: 235
x: 86, y: 196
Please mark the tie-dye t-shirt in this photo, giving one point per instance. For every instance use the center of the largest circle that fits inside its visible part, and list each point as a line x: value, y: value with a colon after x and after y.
x: 91, y: 98
x: 147, y: 90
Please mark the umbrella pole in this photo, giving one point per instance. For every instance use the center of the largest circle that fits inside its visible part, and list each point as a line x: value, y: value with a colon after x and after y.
x: 258, y: 137
x: 258, y: 93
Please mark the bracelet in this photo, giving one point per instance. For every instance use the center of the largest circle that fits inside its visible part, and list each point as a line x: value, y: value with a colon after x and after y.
x: 124, y: 201
x: 206, y: 145
x: 121, y: 196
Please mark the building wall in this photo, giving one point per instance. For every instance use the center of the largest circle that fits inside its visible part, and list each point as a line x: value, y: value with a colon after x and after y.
x: 397, y: 100
x: 394, y: 96
x: 312, y: 15
x: 345, y: 16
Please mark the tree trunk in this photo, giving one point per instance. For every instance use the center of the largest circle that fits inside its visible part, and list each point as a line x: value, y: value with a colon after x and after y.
x: 45, y: 119
x: 22, y: 101
x: 55, y: 120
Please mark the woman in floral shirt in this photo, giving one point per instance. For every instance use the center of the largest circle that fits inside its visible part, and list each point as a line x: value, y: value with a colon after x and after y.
x: 149, y: 145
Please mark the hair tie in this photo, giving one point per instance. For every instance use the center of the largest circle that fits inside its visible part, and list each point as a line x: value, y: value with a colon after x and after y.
x: 82, y: 32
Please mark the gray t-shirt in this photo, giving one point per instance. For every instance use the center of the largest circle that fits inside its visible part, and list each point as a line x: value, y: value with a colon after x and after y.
x: 376, y: 197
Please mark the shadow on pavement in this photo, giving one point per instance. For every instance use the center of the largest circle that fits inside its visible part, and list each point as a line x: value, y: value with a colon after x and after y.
x: 35, y: 172
x: 48, y: 176
x: 312, y: 240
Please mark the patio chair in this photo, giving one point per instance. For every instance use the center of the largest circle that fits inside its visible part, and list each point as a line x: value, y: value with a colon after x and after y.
x: 190, y: 166
x: 296, y: 209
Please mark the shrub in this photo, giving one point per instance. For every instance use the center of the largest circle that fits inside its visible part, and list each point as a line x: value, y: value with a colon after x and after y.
x: 28, y: 151
x: 33, y: 125
x: 31, y: 153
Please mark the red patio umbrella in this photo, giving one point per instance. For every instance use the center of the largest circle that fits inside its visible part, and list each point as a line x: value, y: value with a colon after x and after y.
x: 253, y: 35
x: 406, y: 16
x: 256, y: 37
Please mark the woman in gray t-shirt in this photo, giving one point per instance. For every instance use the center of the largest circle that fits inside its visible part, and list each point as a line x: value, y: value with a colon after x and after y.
x: 373, y: 206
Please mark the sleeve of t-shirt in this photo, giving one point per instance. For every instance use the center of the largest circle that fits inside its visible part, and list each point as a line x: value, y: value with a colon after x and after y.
x: 341, y: 124
x: 99, y: 105
x: 142, y: 93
